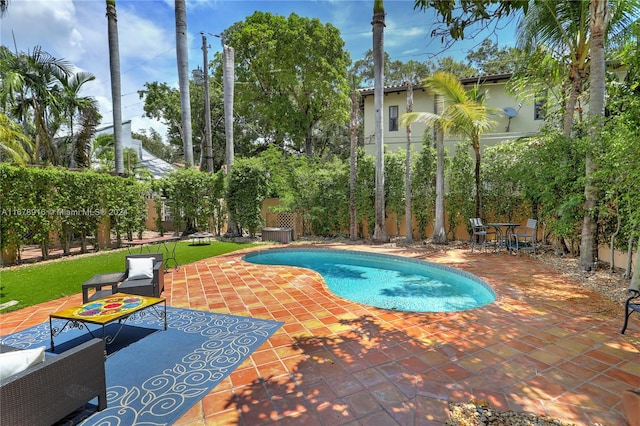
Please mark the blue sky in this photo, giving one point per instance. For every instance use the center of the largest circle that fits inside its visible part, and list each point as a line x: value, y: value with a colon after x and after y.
x: 76, y: 30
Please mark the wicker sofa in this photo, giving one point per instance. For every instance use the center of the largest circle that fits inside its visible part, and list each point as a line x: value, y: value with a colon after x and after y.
x: 46, y: 393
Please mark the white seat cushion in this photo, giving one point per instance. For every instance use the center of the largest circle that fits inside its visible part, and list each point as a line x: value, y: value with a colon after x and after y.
x: 140, y: 267
x: 14, y: 362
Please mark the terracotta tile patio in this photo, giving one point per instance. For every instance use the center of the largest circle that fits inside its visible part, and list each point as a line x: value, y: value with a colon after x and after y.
x: 546, y: 346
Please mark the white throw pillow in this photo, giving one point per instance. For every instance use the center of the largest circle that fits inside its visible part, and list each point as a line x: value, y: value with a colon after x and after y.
x: 14, y: 362
x: 140, y: 267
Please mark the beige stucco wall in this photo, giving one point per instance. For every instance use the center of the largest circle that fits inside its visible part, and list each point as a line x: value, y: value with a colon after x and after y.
x: 522, y: 124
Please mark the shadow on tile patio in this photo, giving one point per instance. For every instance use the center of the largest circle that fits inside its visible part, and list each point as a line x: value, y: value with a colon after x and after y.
x: 539, y: 348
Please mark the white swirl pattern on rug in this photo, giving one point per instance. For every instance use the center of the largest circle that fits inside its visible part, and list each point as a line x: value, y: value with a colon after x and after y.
x: 228, y: 340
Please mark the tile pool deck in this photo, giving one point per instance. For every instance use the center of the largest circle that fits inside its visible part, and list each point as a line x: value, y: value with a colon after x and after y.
x: 546, y: 346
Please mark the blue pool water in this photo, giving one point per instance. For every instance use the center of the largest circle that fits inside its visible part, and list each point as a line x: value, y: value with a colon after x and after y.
x: 386, y: 281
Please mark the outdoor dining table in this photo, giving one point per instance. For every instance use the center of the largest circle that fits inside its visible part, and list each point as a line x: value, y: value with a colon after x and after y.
x: 504, y: 230
x: 170, y: 250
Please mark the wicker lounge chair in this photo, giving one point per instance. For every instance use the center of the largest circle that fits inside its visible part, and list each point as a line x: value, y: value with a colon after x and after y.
x: 46, y: 393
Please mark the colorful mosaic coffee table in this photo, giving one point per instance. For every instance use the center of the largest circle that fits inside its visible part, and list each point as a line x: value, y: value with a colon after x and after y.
x: 118, y: 307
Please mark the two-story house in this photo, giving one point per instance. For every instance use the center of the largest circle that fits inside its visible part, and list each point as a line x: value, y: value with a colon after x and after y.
x: 518, y: 119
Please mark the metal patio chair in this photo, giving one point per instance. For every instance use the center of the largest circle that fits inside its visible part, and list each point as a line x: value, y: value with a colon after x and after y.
x: 479, y: 234
x: 524, y: 239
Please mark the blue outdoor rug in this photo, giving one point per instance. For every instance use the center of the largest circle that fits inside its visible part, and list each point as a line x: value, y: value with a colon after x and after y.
x: 153, y: 375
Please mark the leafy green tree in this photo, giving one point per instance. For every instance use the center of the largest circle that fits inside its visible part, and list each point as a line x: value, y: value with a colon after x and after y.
x: 126, y: 206
x: 454, y: 67
x: 329, y: 212
x: 162, y: 103
x: 247, y: 187
x: 152, y: 142
x: 422, y: 186
x: 365, y: 191
x: 394, y: 182
x: 488, y: 58
x: 618, y: 169
x: 555, y: 185
x: 364, y: 70
x: 460, y: 199
x: 501, y: 171
x: 395, y: 72
x: 291, y: 77
x: 461, y: 17
x: 399, y: 73
x: 193, y: 198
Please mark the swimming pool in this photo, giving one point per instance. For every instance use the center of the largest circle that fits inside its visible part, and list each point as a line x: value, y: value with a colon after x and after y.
x: 386, y: 281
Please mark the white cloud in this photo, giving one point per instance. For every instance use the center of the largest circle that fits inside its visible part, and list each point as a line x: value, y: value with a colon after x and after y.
x: 141, y: 39
x: 51, y: 25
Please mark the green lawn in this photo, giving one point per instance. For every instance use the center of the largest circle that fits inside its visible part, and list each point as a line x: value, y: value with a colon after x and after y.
x: 41, y: 282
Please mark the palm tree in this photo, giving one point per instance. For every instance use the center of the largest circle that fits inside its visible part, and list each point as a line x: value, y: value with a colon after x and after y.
x: 116, y: 88
x: 409, y: 74
x: 73, y: 104
x: 30, y: 93
x: 439, y: 230
x: 380, y: 232
x: 228, y: 71
x: 4, y: 5
x: 182, y: 53
x: 599, y: 22
x: 602, y: 13
x: 561, y: 26
x: 576, y: 32
x: 464, y: 113
x: 353, y: 158
x: 89, y: 120
x: 13, y: 141
x: 407, y: 171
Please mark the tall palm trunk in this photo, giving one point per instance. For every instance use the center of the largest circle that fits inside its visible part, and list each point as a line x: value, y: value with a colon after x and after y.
x: 380, y: 232
x: 475, y: 141
x: 207, y: 107
x: 439, y: 231
x: 182, y: 54
x: 353, y: 164
x: 116, y: 88
x: 228, y: 58
x: 576, y: 78
x: 600, y: 17
x: 407, y: 172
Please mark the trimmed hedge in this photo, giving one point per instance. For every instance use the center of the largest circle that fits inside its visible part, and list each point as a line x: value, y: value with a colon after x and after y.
x: 38, y: 204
